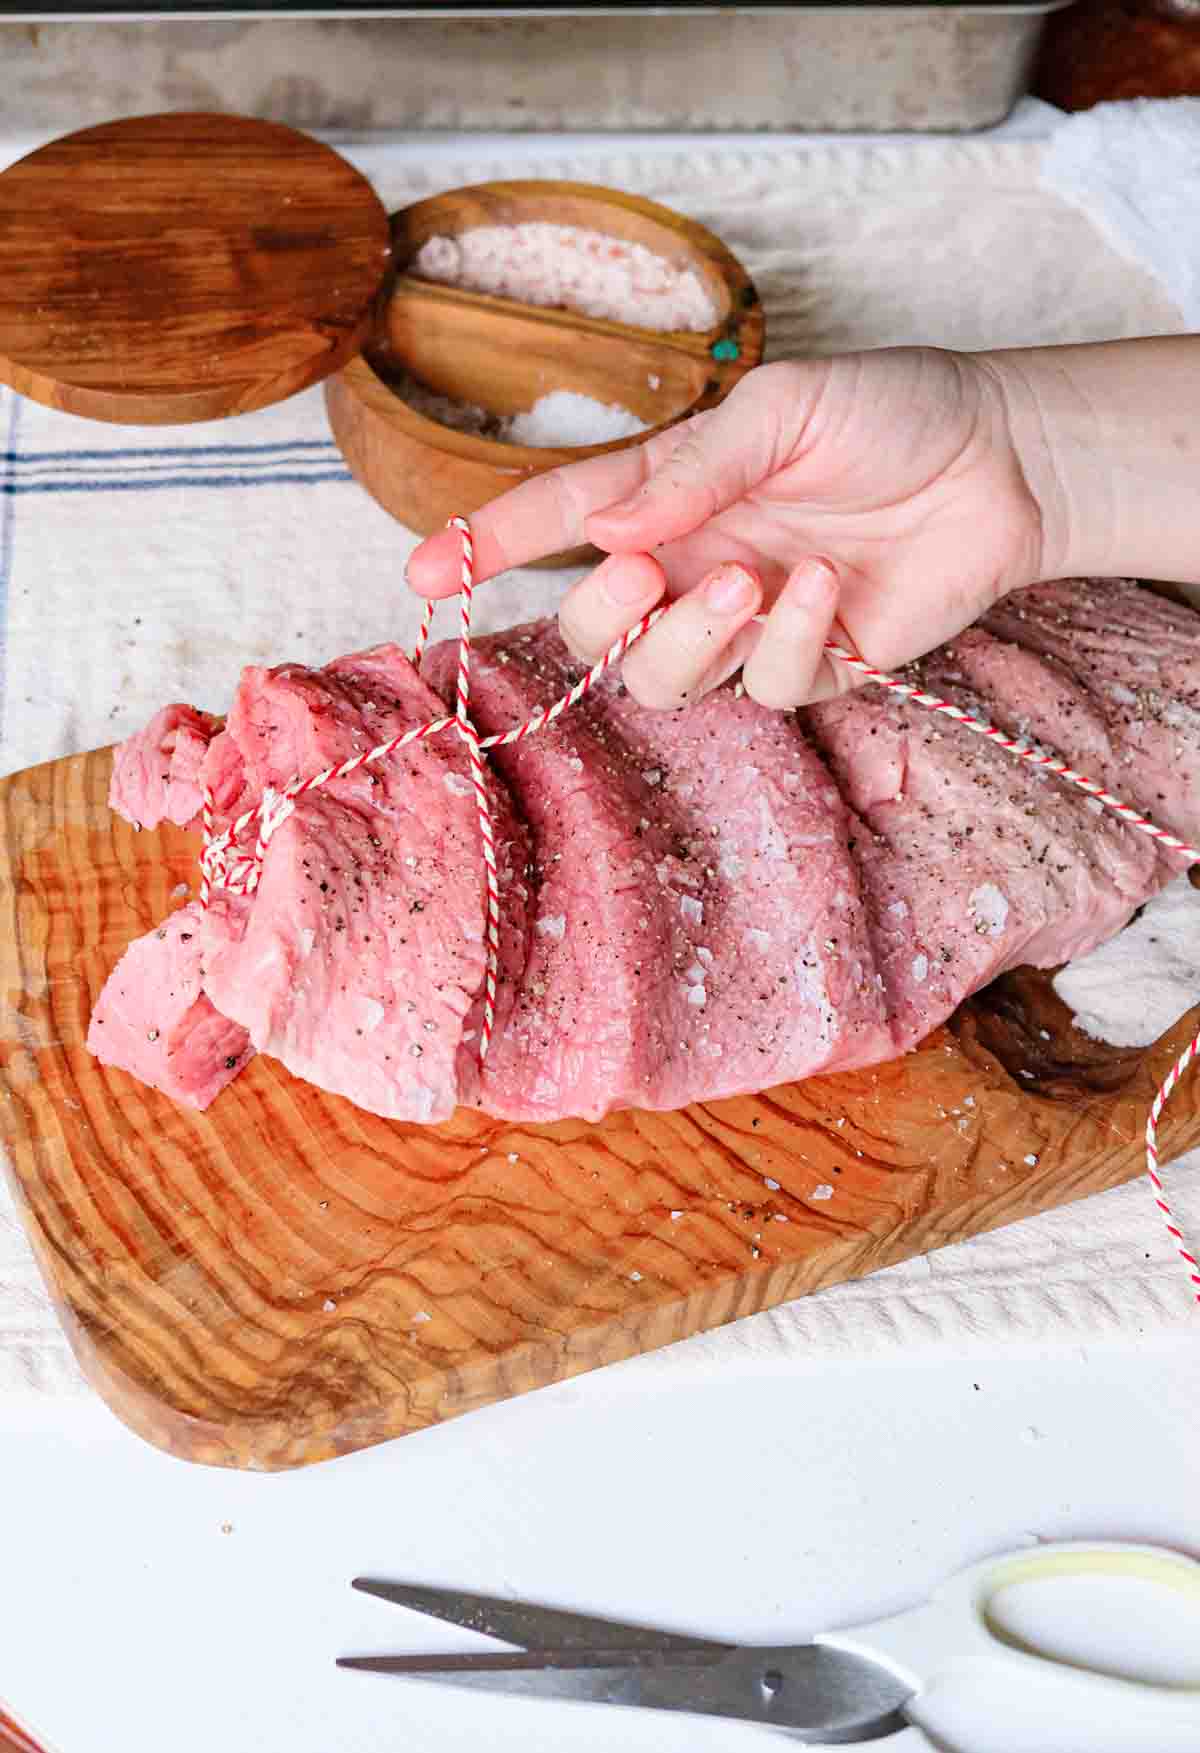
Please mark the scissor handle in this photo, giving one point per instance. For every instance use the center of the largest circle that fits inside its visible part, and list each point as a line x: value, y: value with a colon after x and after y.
x: 955, y: 1628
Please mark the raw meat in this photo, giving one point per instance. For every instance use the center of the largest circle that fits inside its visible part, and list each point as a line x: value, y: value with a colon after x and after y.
x: 360, y: 962
x: 156, y: 773
x: 973, y: 862
x: 693, y: 904
x: 363, y: 955
x: 698, y: 925
x: 1119, y: 687
x: 153, y: 1018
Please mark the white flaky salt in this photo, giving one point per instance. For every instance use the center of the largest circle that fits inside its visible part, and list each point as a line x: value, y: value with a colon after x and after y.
x: 989, y: 909
x: 561, y: 419
x: 564, y: 417
x: 571, y: 268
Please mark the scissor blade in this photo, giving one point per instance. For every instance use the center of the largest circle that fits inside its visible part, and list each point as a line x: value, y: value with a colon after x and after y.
x: 618, y: 1684
x: 532, y: 1627
x: 531, y: 1661
x: 831, y: 1696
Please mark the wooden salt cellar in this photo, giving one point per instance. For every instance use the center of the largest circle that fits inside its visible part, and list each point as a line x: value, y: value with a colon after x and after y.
x: 182, y: 268
x: 504, y: 356
x: 185, y: 267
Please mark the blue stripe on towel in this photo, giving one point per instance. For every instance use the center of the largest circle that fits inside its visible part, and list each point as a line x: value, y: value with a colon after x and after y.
x: 135, y: 471
x: 12, y: 455
x: 7, y: 517
x: 11, y: 488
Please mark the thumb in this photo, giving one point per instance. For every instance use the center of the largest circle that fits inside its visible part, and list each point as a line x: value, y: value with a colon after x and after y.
x: 719, y: 456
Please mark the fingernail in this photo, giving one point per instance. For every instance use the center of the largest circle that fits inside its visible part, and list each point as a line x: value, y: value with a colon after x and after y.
x: 420, y: 556
x: 623, y: 583
x: 730, y: 589
x: 812, y: 577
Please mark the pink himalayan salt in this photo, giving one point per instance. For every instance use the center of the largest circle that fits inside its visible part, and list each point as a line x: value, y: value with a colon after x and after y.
x: 565, y: 266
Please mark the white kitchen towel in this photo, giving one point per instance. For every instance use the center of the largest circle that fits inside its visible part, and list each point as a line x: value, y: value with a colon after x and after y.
x: 145, y: 565
x: 1134, y: 169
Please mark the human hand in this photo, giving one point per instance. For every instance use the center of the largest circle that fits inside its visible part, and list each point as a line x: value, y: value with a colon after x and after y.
x: 876, y: 499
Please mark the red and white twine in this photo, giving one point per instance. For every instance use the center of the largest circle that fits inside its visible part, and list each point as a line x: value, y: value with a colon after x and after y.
x: 1050, y: 763
x: 226, y: 864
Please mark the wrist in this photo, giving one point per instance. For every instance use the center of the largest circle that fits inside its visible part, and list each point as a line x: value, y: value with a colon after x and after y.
x: 1107, y: 436
x: 1057, y: 441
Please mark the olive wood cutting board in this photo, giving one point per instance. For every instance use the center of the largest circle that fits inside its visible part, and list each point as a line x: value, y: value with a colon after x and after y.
x: 286, y: 1278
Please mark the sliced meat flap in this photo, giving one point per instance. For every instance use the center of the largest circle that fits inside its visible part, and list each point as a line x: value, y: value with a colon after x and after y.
x: 362, y: 962
x: 698, y: 927
x: 1118, y: 686
x: 972, y: 861
x: 153, y: 1019
x: 156, y: 772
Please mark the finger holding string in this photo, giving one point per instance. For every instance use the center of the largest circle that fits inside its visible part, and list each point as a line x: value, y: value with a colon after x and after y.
x: 717, y: 629
x: 712, y: 632
x: 702, y: 638
x: 789, y: 664
x: 605, y: 604
x: 613, y: 598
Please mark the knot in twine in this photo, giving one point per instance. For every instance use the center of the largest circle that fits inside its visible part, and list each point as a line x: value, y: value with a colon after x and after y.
x: 227, y: 864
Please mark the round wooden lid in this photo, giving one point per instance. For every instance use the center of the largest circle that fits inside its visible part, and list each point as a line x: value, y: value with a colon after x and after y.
x: 176, y: 268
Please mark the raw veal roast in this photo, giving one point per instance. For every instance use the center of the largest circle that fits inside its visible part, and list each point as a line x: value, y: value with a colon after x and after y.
x: 360, y: 961
x: 694, y: 904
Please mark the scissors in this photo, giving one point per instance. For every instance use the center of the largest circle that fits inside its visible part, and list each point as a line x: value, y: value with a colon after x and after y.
x: 850, y: 1686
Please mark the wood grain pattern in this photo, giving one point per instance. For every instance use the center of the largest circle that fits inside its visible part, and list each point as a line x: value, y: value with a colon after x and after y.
x: 184, y: 267
x: 503, y: 356
x: 285, y: 1278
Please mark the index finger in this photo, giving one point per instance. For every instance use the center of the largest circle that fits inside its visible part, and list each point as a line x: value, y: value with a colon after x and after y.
x: 544, y: 515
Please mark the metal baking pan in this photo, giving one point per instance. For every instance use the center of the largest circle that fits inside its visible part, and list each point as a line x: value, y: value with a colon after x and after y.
x: 680, y: 68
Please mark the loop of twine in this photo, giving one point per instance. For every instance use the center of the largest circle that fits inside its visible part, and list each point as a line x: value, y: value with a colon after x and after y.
x: 224, y: 864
